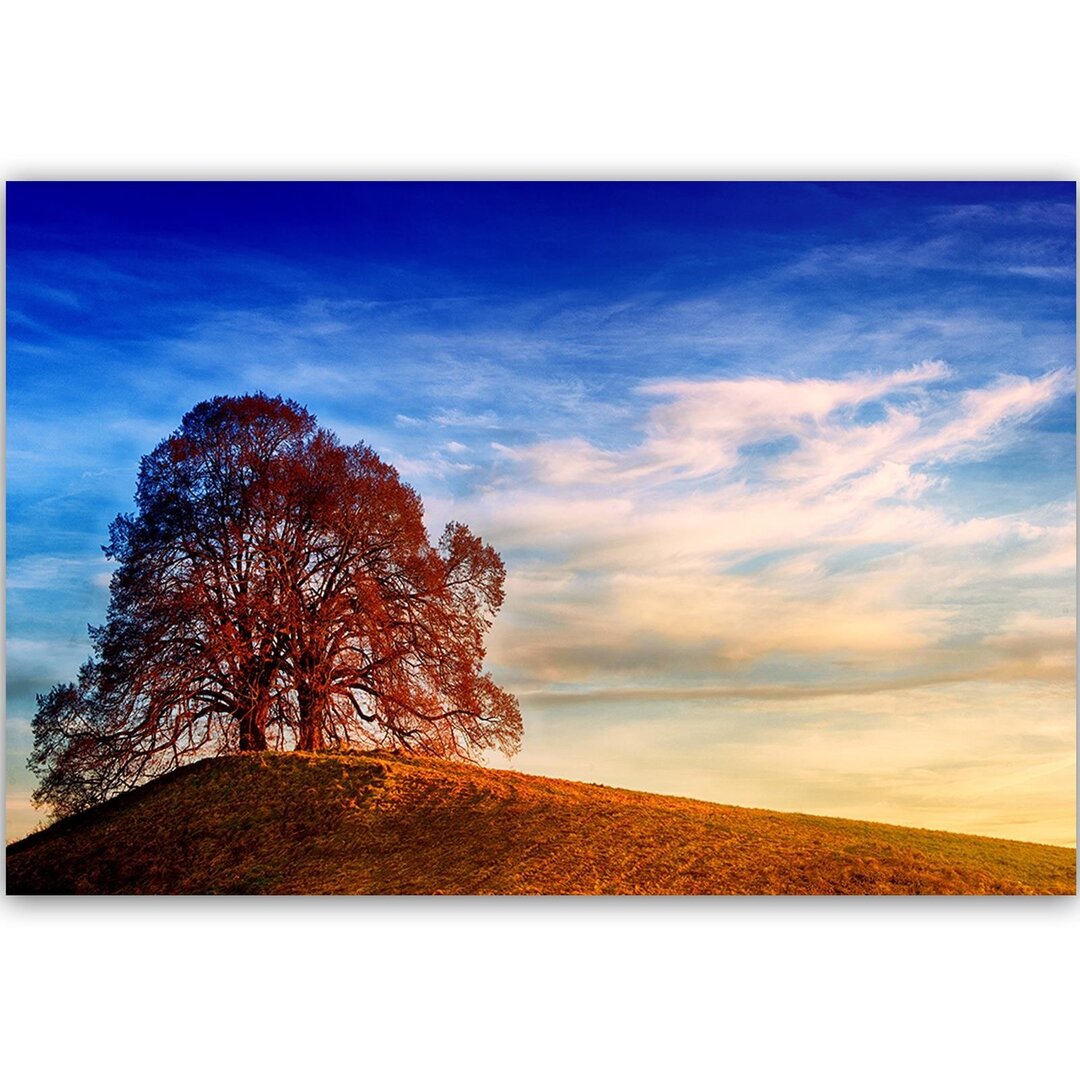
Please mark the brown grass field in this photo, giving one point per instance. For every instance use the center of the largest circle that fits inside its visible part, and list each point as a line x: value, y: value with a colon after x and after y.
x: 371, y: 823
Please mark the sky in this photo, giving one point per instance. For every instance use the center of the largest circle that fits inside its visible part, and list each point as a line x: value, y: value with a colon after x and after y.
x: 783, y: 474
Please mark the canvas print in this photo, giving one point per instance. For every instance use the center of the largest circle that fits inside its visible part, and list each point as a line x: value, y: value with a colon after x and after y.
x: 540, y: 538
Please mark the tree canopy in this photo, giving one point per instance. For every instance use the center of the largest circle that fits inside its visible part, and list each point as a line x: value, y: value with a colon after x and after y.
x: 275, y: 588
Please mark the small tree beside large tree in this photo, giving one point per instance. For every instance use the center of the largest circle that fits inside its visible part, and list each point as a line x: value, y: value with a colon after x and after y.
x: 274, y: 589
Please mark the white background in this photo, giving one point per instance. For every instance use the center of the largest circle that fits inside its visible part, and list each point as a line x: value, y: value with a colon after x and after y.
x: 508, y: 987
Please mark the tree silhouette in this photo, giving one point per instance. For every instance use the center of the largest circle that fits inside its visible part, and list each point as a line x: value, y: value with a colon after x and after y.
x: 274, y: 588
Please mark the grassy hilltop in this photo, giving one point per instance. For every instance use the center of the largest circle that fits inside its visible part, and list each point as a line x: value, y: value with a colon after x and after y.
x: 372, y: 823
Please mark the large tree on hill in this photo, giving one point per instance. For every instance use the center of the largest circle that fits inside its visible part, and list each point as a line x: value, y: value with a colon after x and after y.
x: 274, y: 588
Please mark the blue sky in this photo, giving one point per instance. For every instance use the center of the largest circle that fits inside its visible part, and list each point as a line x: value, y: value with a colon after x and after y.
x: 783, y: 474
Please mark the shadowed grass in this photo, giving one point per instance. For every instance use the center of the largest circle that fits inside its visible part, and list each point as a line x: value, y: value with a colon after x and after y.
x: 370, y: 823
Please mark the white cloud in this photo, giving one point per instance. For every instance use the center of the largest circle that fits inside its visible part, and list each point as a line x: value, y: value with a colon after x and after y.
x: 986, y: 412
x: 693, y: 553
x: 56, y: 572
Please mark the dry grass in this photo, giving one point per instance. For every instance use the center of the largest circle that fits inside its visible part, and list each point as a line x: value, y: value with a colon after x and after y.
x: 366, y: 823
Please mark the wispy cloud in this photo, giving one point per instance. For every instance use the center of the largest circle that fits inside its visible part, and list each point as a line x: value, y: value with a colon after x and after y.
x: 773, y: 540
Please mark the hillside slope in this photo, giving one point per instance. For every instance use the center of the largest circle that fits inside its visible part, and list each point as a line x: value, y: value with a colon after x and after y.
x: 367, y: 823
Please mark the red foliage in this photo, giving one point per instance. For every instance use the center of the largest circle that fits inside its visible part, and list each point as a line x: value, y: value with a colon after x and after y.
x: 275, y: 588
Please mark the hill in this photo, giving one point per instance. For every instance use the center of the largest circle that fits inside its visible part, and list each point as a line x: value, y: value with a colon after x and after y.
x: 371, y: 823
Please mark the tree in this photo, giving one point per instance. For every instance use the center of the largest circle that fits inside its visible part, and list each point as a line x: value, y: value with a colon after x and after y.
x: 275, y: 588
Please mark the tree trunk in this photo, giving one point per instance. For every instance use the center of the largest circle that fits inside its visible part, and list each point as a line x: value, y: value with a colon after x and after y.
x: 253, y: 726
x: 312, y: 706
